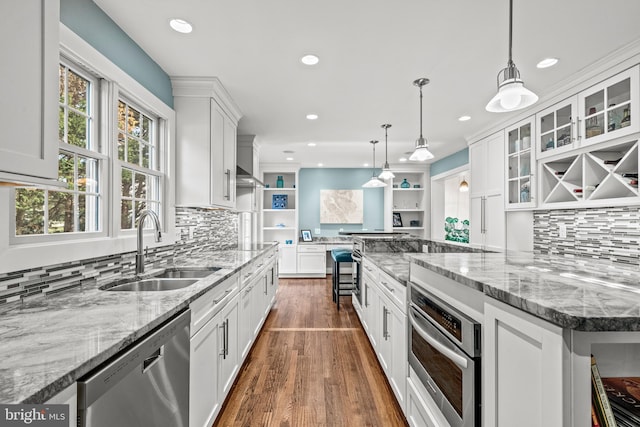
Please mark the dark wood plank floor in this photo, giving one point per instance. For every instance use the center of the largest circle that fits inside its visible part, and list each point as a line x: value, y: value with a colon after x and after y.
x: 311, y: 366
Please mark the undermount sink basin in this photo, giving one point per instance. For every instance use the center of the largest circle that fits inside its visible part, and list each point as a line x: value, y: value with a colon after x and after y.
x: 155, y: 284
x: 186, y: 273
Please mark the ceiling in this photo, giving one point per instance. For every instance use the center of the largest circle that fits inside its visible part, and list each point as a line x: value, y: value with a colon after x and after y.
x: 370, y: 53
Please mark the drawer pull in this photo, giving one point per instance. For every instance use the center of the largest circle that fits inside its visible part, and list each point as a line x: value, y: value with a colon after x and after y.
x: 389, y: 288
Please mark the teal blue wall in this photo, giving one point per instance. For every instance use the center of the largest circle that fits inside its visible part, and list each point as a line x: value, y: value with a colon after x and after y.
x: 452, y: 161
x: 312, y: 180
x: 88, y: 21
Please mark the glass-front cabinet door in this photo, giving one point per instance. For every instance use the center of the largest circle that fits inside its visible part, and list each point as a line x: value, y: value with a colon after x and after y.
x: 555, y: 128
x: 520, y: 165
x: 610, y: 109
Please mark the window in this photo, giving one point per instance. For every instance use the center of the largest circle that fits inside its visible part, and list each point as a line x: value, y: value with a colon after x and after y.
x: 139, y: 166
x: 76, y: 208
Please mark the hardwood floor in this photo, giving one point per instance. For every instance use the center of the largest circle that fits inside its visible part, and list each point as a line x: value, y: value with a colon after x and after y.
x: 311, y: 365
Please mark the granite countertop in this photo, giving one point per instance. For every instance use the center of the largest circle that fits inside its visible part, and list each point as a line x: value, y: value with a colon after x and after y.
x: 394, y: 264
x: 583, y: 294
x: 48, y: 343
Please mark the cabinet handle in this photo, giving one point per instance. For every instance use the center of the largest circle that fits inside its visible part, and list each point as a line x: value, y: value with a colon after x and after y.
x: 483, y: 203
x: 224, y: 340
x: 226, y: 335
x: 265, y: 285
x: 385, y: 332
x: 228, y: 175
x: 578, y: 136
x: 366, y: 296
x: 389, y: 288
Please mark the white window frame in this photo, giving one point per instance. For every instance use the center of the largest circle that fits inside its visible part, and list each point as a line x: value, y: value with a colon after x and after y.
x: 59, y: 248
x: 100, y: 154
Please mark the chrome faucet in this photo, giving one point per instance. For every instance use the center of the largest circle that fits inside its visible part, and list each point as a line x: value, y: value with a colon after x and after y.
x: 156, y: 223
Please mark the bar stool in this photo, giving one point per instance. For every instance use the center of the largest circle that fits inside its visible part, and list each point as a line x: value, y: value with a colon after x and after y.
x: 340, y: 256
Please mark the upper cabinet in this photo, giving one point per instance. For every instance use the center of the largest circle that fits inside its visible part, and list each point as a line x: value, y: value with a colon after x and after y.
x: 206, y: 127
x: 609, y: 109
x: 520, y: 165
x: 29, y: 86
x: 556, y: 128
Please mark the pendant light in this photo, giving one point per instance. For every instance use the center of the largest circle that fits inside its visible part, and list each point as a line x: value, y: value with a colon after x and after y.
x: 374, y: 182
x: 512, y: 95
x: 464, y: 186
x: 386, y: 170
x: 421, y: 152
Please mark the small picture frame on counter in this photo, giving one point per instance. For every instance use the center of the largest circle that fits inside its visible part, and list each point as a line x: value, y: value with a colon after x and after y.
x: 397, y: 219
x: 306, y: 235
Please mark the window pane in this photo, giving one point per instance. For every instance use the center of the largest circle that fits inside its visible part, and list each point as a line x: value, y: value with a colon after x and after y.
x: 62, y: 71
x: 153, y: 190
x: 87, y: 174
x: 126, y: 212
x: 121, y: 147
x: 134, y: 122
x: 29, y: 211
x: 140, y: 206
x: 61, y: 124
x: 127, y: 181
x: 88, y: 211
x: 146, y: 128
x: 122, y: 108
x: 65, y: 168
x: 133, y: 151
x: 77, y: 92
x: 145, y: 156
x: 140, y: 186
x: 60, y: 212
x: 77, y: 129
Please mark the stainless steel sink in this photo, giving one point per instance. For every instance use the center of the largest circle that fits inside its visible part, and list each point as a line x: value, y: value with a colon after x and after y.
x: 155, y: 284
x: 186, y: 273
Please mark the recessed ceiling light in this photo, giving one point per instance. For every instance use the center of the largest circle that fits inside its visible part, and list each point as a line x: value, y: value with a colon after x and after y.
x: 320, y: 165
x: 309, y: 60
x: 288, y: 152
x: 366, y: 165
x: 402, y: 159
x: 180, y: 25
x: 464, y: 118
x: 289, y: 158
x: 547, y: 62
x: 312, y: 116
x: 311, y: 144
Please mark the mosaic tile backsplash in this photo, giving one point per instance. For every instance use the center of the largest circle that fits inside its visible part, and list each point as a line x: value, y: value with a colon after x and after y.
x: 196, y: 229
x: 605, y: 233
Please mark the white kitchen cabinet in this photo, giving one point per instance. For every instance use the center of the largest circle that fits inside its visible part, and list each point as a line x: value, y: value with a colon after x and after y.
x: 370, y: 276
x: 203, y: 376
x: 228, y: 355
x: 245, y: 328
x: 609, y: 109
x: 421, y: 413
x: 392, y: 348
x: 556, y: 130
x: 520, y: 165
x: 68, y: 396
x: 29, y: 86
x: 206, y: 123
x: 486, y: 189
x: 523, y: 373
x: 312, y: 260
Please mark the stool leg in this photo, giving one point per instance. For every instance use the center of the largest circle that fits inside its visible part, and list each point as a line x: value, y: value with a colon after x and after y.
x: 333, y: 282
x: 337, y: 281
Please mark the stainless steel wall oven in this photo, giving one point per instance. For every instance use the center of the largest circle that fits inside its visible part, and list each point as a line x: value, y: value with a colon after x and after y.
x: 444, y: 351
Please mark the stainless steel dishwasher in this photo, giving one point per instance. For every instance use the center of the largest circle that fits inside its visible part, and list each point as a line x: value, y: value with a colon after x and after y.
x: 148, y: 385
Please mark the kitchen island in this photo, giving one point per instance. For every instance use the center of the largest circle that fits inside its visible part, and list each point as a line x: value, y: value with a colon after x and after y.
x: 48, y: 343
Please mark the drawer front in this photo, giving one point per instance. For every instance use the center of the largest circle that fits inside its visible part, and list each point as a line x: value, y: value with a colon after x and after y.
x: 205, y: 307
x: 370, y: 269
x: 345, y: 246
x: 311, y: 248
x: 394, y: 290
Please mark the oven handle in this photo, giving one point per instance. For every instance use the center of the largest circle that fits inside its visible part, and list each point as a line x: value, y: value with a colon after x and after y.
x: 455, y: 358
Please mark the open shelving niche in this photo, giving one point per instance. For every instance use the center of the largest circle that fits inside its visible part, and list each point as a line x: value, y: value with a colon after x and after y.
x: 605, y: 175
x: 410, y: 202
x: 279, y: 225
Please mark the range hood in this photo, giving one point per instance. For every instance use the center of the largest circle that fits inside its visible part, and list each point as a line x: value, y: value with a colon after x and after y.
x: 246, y: 180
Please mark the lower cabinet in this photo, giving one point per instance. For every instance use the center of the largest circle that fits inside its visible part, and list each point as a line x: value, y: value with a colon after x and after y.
x: 228, y: 355
x: 392, y: 348
x: 203, y: 376
x: 370, y: 307
x: 312, y: 260
x: 522, y: 369
x: 245, y: 329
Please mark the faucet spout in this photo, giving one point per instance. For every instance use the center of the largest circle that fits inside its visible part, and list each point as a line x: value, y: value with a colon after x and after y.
x: 156, y: 224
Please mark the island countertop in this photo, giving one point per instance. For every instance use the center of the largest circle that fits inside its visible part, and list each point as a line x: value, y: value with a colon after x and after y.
x: 48, y: 343
x: 582, y: 294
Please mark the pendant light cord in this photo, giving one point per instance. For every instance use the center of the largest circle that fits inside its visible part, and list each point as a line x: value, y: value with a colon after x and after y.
x: 421, y: 112
x: 510, y: 63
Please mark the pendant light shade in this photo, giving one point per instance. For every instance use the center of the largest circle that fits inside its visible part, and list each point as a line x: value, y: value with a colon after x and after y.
x: 421, y: 152
x: 464, y: 186
x: 374, y: 182
x: 512, y: 95
x: 386, y: 170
